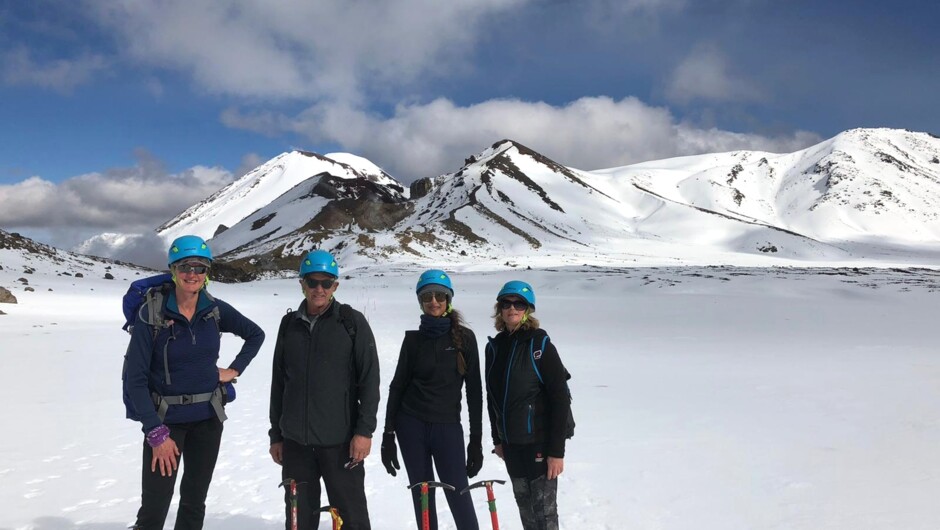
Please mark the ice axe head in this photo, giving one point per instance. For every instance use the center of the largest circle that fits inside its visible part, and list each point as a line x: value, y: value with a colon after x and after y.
x: 490, y: 498
x: 425, y: 487
x: 482, y: 484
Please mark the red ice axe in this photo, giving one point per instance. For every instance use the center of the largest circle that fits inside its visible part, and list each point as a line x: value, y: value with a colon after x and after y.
x: 490, y: 498
x: 291, y: 484
x: 425, y: 487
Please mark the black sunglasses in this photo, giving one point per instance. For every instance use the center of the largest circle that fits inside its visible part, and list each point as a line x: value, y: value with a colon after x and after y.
x: 325, y: 284
x: 518, y: 305
x: 439, y: 296
x: 187, y: 268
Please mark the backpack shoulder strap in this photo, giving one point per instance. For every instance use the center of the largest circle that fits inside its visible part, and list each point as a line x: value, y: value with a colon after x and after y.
x: 215, y: 314
x: 348, y: 319
x: 536, y: 354
x: 284, y: 321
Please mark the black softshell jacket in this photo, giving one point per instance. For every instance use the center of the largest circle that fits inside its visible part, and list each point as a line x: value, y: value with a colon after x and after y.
x: 427, y: 383
x: 523, y: 408
x: 325, y: 384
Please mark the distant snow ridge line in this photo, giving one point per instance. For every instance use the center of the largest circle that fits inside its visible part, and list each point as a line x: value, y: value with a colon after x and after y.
x: 24, y: 256
x: 866, y: 194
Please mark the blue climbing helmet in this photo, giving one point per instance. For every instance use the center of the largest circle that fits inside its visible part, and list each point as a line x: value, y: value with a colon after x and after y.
x: 434, y: 277
x: 319, y: 261
x: 188, y: 247
x: 520, y: 289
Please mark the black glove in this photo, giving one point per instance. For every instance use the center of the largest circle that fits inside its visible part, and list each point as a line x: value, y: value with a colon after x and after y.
x: 474, y: 456
x: 390, y: 453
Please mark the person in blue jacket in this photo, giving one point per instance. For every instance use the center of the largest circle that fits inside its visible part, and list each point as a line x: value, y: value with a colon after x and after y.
x: 529, y: 405
x: 424, y: 403
x: 173, y: 386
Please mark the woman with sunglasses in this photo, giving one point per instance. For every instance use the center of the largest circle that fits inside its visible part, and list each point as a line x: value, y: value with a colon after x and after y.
x: 529, y: 405
x: 175, y: 388
x: 424, y: 398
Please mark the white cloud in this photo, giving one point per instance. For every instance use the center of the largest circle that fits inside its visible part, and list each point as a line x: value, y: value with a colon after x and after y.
x: 19, y: 67
x: 706, y: 75
x: 331, y: 49
x: 590, y: 133
x: 135, y: 199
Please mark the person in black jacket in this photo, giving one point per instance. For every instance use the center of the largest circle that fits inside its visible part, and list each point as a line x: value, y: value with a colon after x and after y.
x: 424, y: 403
x: 174, y: 387
x: 324, y: 398
x: 529, y: 405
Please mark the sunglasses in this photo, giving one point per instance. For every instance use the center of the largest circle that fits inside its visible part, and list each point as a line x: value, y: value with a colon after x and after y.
x: 325, y: 284
x: 427, y: 297
x: 518, y: 305
x: 195, y: 269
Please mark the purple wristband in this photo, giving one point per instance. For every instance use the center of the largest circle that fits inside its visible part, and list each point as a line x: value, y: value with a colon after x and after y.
x: 158, y: 435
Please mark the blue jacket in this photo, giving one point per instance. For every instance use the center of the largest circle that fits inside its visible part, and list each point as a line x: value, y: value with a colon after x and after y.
x: 192, y: 353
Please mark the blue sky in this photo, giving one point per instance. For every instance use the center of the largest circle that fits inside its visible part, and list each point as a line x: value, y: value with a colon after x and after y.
x: 105, y: 105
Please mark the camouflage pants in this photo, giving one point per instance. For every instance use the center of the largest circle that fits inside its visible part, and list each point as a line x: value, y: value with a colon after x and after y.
x: 536, y: 499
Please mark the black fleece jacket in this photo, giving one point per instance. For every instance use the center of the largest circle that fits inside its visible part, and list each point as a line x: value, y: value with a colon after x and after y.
x: 325, y: 385
x: 427, y: 383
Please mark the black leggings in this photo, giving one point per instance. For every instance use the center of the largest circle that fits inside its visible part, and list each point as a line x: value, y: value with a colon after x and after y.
x: 420, y: 443
x: 198, y: 443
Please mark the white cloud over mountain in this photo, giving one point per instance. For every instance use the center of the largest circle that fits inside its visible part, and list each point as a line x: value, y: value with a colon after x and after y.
x: 422, y: 140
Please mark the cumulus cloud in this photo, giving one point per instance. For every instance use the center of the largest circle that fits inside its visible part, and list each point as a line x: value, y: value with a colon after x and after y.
x: 122, y: 200
x: 146, y: 249
x: 330, y: 49
x: 20, y: 67
x: 706, y: 75
x: 423, y: 140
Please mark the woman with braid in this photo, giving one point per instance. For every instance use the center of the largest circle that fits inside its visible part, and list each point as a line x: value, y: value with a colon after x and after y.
x: 424, y: 402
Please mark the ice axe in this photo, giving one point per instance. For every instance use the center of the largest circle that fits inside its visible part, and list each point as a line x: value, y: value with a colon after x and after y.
x: 490, y: 498
x: 425, y: 486
x: 291, y: 485
x: 334, y: 513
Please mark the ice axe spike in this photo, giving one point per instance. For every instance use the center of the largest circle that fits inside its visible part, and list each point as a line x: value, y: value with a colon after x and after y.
x: 490, y: 498
x: 425, y: 487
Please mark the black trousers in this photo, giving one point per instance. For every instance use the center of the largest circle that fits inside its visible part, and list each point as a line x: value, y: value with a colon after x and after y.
x: 420, y: 443
x: 198, y: 443
x: 345, y: 488
x: 536, y: 496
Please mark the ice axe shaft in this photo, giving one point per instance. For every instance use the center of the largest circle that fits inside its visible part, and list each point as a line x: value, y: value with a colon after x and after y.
x: 490, y: 498
x: 425, y: 487
x: 291, y: 484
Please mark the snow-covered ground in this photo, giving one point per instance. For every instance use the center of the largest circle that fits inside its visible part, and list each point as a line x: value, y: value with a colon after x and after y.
x: 706, y: 399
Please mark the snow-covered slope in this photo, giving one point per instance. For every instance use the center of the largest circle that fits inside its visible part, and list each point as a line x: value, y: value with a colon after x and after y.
x: 20, y: 255
x: 263, y: 185
x: 864, y: 185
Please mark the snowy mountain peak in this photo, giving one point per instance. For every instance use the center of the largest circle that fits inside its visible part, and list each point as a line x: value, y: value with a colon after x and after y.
x: 870, y: 193
x: 269, y: 181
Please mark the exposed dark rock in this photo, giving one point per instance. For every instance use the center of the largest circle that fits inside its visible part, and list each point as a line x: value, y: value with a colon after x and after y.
x: 258, y: 223
x: 219, y: 230
x: 24, y: 281
x: 29, y: 289
x: 421, y: 187
x: 108, y: 276
x: 6, y: 297
x: 79, y: 275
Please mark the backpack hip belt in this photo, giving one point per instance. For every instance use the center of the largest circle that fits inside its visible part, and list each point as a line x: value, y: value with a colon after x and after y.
x: 215, y: 398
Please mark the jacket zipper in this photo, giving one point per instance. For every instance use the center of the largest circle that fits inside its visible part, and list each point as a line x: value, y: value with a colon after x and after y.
x: 512, y: 357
